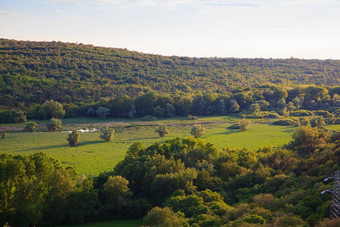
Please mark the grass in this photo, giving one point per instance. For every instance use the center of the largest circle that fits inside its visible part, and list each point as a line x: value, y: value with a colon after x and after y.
x: 115, y: 223
x: 92, y: 155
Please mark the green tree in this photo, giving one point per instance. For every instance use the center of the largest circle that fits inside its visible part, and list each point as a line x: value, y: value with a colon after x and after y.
x: 244, y: 124
x: 54, y: 124
x: 255, y: 108
x: 234, y: 107
x: 73, y: 138
x: 53, y: 109
x: 103, y: 112
x: 197, y: 131
x: 107, y: 134
x: 317, y: 122
x: 162, y: 217
x: 162, y: 130
x: 30, y: 126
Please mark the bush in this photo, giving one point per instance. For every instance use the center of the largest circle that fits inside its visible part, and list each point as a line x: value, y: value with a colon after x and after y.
x: 317, y: 122
x: 244, y: 124
x: 303, y: 121
x: 73, y: 138
x: 149, y: 118
x: 103, y: 112
x: 284, y: 122
x: 107, y: 134
x: 323, y: 113
x: 197, y: 131
x: 162, y: 217
x: 302, y: 113
x: 30, y: 126
x: 54, y: 124
x: 162, y: 130
x: 54, y: 109
x: 190, y: 117
x: 271, y: 115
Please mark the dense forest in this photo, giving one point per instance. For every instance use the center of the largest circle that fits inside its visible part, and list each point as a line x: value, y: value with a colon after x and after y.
x: 180, y: 182
x: 32, y: 72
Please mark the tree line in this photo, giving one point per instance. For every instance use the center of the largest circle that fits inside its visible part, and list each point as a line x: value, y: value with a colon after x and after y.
x: 284, y: 101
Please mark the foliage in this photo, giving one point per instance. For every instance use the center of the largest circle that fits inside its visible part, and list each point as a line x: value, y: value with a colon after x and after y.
x: 103, y: 112
x: 197, y: 131
x: 162, y: 217
x: 162, y: 130
x: 30, y: 126
x: 317, y: 122
x: 107, y: 134
x: 244, y: 124
x: 54, y: 124
x: 73, y: 138
x: 53, y: 109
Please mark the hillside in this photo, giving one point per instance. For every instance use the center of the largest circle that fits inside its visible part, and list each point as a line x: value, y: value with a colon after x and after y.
x: 31, y: 72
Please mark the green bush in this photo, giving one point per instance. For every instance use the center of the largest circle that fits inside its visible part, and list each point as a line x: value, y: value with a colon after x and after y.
x: 107, y: 134
x: 54, y: 124
x: 284, y: 122
x: 162, y: 130
x: 197, y: 131
x: 317, y: 122
x: 302, y: 113
x: 244, y: 124
x: 271, y: 115
x: 149, y: 118
x: 73, y: 138
x: 30, y: 126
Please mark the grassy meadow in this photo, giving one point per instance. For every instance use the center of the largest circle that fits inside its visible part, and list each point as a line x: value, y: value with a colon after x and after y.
x: 92, y: 155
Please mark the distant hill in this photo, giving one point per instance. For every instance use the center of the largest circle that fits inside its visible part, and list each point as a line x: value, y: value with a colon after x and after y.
x: 31, y: 72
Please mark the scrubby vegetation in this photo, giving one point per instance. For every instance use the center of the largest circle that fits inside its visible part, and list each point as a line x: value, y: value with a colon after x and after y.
x: 187, y: 181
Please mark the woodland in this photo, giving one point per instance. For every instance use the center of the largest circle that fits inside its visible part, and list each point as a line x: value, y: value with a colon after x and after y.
x: 180, y: 181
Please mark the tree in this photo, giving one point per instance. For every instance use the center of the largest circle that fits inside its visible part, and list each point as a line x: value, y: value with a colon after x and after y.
x: 103, y: 112
x: 162, y: 130
x: 162, y: 217
x: 317, y: 122
x: 54, y: 124
x: 116, y: 191
x: 197, y: 131
x: 3, y: 134
x: 73, y: 138
x: 234, y: 107
x: 107, y: 134
x: 281, y: 103
x: 255, y: 108
x: 244, y: 124
x: 30, y: 126
x: 53, y: 109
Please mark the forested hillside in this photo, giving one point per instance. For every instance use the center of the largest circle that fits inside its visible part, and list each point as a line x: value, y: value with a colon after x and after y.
x: 32, y: 72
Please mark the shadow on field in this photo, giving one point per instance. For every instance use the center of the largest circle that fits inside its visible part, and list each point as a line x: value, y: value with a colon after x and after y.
x: 46, y: 147
x: 228, y: 132
x: 89, y: 143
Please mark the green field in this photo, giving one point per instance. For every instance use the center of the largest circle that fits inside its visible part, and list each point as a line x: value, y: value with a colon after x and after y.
x: 116, y: 223
x: 93, y: 156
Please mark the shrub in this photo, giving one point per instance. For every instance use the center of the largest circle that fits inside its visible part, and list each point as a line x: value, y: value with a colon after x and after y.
x: 303, y: 121
x: 73, y: 138
x: 54, y: 124
x: 284, y: 122
x: 190, y: 117
x: 197, y: 131
x: 244, y: 124
x: 103, y: 112
x: 53, y: 109
x: 317, y: 122
x: 30, y: 126
x: 107, y: 134
x: 271, y: 115
x: 302, y: 113
x: 323, y: 113
x: 162, y: 130
x: 162, y: 217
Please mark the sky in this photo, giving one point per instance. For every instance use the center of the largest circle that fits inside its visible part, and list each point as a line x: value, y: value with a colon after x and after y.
x: 307, y: 29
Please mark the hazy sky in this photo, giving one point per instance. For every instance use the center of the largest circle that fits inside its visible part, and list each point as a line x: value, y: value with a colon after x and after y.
x: 221, y: 28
